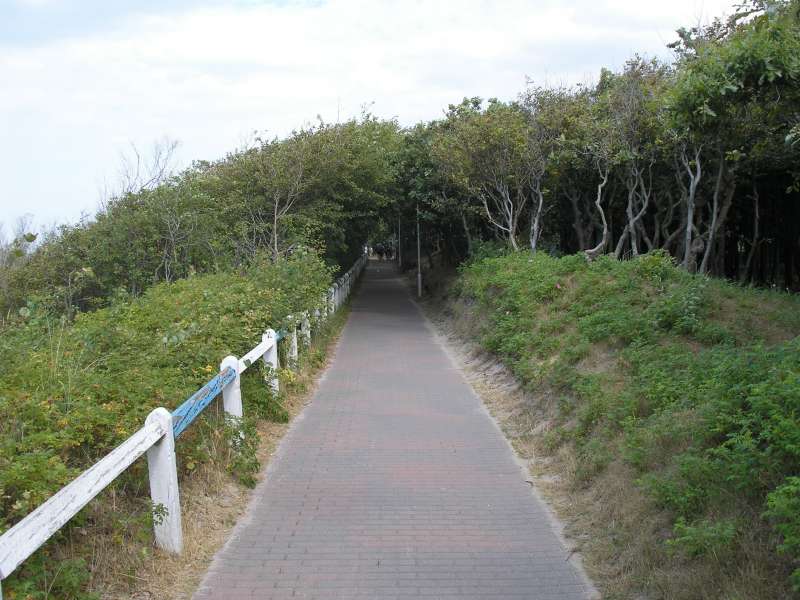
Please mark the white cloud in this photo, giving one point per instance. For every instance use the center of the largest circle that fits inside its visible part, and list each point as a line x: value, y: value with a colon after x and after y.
x: 35, y: 3
x: 207, y: 77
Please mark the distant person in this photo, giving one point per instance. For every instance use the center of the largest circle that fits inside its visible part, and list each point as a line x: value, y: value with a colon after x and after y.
x: 380, y: 251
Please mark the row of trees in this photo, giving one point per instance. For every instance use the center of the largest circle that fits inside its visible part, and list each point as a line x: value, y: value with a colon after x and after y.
x: 323, y: 187
x: 698, y: 158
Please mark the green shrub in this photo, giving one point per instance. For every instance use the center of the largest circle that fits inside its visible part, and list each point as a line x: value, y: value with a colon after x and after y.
x: 783, y: 506
x: 703, y: 537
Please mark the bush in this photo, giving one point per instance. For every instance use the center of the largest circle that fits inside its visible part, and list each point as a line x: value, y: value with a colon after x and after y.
x: 783, y: 506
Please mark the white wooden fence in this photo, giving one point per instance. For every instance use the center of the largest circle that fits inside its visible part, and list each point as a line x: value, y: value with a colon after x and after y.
x: 157, y: 439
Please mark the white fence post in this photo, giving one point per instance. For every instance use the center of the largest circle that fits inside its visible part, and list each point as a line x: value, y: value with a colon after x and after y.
x: 306, y: 330
x: 232, y: 393
x: 293, y: 350
x: 332, y: 299
x: 271, y: 357
x: 163, y: 472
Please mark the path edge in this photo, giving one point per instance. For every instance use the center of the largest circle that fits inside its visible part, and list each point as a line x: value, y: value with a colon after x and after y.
x: 256, y: 494
x: 574, y: 557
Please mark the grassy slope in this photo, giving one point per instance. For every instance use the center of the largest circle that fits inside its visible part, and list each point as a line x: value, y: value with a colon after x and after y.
x: 71, y: 392
x: 677, y: 400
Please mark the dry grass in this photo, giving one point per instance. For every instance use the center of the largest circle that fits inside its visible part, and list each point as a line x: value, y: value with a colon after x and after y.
x: 750, y: 313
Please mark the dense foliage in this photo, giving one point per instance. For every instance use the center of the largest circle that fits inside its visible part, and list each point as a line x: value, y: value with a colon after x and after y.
x: 697, y: 158
x: 71, y: 392
x: 322, y: 187
x: 694, y: 383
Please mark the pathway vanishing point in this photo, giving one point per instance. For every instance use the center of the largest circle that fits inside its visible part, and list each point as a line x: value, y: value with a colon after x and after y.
x: 393, y: 483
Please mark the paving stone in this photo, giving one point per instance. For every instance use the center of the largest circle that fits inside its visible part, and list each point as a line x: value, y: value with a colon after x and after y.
x: 393, y: 483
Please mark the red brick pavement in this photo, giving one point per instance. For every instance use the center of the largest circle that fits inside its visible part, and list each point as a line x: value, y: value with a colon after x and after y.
x: 393, y: 483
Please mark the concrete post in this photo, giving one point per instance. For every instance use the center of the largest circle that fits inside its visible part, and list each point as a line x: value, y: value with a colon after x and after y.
x: 293, y: 350
x: 306, y: 330
x: 232, y: 393
x: 163, y: 472
x: 419, y: 259
x: 271, y: 358
x: 399, y: 247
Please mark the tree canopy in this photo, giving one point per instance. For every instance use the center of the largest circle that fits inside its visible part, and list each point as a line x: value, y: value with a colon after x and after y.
x: 698, y: 158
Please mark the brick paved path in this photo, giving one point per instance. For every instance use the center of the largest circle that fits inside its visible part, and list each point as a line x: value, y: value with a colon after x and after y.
x: 393, y: 483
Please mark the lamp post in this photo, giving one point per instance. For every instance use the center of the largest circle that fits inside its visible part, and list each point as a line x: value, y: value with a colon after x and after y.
x: 399, y: 246
x: 419, y: 260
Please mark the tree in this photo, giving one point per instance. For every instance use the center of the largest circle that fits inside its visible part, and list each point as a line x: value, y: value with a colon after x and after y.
x: 541, y: 142
x: 729, y: 73
x: 487, y: 151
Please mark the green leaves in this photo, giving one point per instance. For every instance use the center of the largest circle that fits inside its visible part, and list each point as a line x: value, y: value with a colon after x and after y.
x: 783, y: 508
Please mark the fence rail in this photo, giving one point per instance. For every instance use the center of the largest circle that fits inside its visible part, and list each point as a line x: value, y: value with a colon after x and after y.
x: 157, y: 438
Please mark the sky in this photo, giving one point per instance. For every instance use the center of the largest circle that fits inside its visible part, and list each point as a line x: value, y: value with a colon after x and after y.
x: 81, y: 81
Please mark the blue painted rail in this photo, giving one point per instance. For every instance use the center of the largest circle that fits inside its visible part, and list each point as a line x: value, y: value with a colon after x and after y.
x: 187, y: 412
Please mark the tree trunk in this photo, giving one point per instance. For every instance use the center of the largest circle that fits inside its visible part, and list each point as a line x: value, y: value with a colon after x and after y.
x: 628, y: 230
x: 577, y: 223
x: 668, y: 236
x: 501, y: 199
x: 467, y: 233
x: 536, y: 221
x: 632, y: 223
x: 275, y: 232
x: 745, y: 275
x: 720, y: 215
x: 715, y: 210
x: 593, y: 253
x: 645, y: 191
x: 694, y: 181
